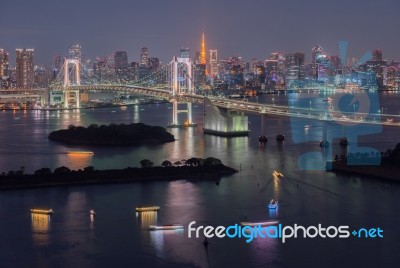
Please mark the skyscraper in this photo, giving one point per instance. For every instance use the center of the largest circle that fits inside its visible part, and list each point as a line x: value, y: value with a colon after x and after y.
x: 315, y: 53
x: 1, y: 63
x: 377, y: 55
x: 24, y: 67
x: 121, y: 64
x: 213, y: 62
x: 121, y: 60
x: 74, y: 52
x: 184, y: 53
x: 203, y: 59
x: 144, y: 56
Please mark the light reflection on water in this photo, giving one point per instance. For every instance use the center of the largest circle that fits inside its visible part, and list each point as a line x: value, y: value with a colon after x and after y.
x: 40, y: 228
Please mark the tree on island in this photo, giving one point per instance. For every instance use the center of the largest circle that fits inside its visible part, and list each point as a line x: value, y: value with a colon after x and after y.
x: 62, y: 170
x: 146, y: 163
x: 43, y: 172
x: 166, y: 163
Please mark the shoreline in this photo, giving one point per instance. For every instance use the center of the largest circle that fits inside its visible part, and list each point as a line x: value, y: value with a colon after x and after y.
x: 114, y: 176
x: 381, y: 172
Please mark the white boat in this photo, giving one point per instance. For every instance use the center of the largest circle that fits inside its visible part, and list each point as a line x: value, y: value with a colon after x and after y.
x: 149, y: 208
x: 273, y: 204
x: 262, y: 223
x: 166, y: 227
x: 42, y: 211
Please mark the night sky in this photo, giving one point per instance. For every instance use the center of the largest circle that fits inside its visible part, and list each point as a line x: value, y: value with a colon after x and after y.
x: 248, y: 28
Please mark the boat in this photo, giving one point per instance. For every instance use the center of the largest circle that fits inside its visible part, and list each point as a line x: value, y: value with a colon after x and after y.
x: 262, y: 138
x: 277, y: 174
x: 262, y: 223
x: 42, y: 211
x: 327, y: 100
x: 273, y: 204
x: 80, y: 153
x: 165, y: 227
x: 92, y: 212
x: 149, y: 208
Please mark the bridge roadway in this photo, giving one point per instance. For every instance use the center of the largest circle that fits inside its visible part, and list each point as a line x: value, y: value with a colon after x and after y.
x: 257, y: 108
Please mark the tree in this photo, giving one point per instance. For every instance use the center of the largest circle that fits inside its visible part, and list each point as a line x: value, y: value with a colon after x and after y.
x: 146, y: 163
x: 166, y: 163
x: 62, y: 170
x: 42, y: 172
x: 212, y: 162
x: 178, y: 163
x: 88, y: 169
x: 193, y: 162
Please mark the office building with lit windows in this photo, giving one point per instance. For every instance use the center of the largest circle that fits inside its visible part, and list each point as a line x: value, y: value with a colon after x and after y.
x: 24, y: 68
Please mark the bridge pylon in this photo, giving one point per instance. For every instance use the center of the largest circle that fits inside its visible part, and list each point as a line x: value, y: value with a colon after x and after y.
x: 72, y: 76
x: 181, y: 84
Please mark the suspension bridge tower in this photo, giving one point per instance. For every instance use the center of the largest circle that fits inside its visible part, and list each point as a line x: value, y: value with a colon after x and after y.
x: 181, y: 84
x: 72, y: 76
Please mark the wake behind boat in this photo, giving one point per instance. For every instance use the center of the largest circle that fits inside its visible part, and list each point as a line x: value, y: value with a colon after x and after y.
x: 166, y: 227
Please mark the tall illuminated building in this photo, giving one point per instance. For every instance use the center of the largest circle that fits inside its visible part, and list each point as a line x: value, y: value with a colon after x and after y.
x: 1, y: 63
x: 144, y: 56
x: 315, y: 53
x: 203, y: 59
x: 213, y: 62
x: 24, y: 67
x: 184, y: 53
x: 74, y: 52
x: 121, y: 63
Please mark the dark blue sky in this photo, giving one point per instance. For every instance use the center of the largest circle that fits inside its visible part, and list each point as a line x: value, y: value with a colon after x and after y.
x: 249, y: 28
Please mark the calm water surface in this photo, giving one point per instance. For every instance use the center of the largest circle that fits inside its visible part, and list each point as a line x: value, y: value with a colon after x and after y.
x: 118, y: 237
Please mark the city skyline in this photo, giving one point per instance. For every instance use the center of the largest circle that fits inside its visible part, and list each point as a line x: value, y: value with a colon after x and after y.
x: 250, y: 30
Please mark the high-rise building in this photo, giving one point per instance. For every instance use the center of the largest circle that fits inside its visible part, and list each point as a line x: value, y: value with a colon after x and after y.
x: 154, y: 64
x: 24, y: 68
x: 379, y: 67
x: 203, y: 59
x: 144, y: 56
x: 315, y: 52
x: 121, y: 64
x: 1, y: 63
x: 58, y: 64
x: 377, y: 55
x: 120, y: 60
x: 213, y: 62
x: 184, y: 53
x: 74, y: 52
x: 133, y: 71
x: 294, y: 65
x: 4, y: 63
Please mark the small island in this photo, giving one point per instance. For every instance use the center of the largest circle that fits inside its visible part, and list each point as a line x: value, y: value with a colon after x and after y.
x: 133, y: 134
x: 193, y: 169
